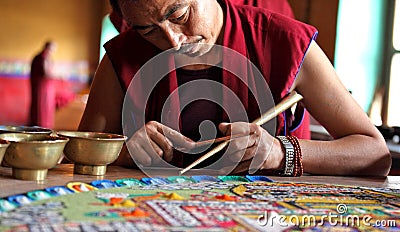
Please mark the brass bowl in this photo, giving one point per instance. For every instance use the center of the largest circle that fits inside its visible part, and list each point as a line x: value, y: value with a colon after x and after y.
x: 3, y: 147
x: 25, y: 129
x: 91, y: 152
x: 31, y: 155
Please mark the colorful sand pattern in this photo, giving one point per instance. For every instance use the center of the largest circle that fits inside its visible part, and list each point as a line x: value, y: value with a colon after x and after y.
x: 223, y: 204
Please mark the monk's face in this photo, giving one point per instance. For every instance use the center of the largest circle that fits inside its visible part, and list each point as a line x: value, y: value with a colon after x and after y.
x: 179, y: 24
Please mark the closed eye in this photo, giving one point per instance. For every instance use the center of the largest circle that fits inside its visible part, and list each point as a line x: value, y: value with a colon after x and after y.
x: 147, y: 33
x: 181, y: 15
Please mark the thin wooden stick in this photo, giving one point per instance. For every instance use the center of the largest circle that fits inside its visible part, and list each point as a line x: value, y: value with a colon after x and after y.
x: 216, y: 140
x: 285, y: 104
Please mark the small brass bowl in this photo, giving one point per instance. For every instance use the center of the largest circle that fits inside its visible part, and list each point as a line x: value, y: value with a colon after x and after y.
x: 91, y: 152
x: 31, y: 155
x: 3, y: 147
x: 25, y: 129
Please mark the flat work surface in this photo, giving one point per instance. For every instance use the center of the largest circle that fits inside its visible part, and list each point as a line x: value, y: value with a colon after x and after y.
x: 125, y: 200
x: 63, y: 173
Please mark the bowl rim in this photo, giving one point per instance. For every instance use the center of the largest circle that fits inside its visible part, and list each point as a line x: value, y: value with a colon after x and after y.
x: 45, y: 140
x: 113, y: 136
x: 24, y: 129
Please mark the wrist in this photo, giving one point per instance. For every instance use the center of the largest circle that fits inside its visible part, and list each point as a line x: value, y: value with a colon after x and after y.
x: 292, y: 161
x: 278, y: 163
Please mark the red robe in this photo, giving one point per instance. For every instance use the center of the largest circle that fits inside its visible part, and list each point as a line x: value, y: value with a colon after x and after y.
x: 43, y: 93
x: 278, y: 6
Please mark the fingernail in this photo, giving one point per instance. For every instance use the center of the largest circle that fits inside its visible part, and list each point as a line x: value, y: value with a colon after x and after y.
x: 252, y: 171
x: 172, y: 132
x: 169, y: 142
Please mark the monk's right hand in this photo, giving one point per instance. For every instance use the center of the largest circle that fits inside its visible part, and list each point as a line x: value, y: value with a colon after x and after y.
x: 155, y: 141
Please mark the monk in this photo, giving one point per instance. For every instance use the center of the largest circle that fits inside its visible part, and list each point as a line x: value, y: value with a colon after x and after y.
x: 187, y: 36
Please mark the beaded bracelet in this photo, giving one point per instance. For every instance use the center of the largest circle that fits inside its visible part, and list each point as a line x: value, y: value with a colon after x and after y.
x: 298, y: 170
x: 289, y: 156
x: 293, y: 156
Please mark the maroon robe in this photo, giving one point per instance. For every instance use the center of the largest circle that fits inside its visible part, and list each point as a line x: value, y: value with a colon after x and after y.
x: 43, y: 103
x: 278, y: 6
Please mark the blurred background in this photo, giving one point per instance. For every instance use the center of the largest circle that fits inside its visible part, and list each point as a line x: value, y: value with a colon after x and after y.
x: 360, y: 37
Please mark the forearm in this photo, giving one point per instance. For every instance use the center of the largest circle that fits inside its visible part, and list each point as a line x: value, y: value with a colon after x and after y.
x: 350, y: 155
x: 358, y: 148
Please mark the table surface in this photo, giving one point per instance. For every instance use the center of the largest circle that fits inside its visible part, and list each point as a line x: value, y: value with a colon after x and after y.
x: 63, y: 173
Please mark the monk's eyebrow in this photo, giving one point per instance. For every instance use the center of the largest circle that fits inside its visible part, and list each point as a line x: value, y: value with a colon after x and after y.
x: 165, y: 17
x: 137, y: 27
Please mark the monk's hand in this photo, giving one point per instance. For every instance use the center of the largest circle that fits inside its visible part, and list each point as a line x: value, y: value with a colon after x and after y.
x: 155, y: 141
x: 259, y: 150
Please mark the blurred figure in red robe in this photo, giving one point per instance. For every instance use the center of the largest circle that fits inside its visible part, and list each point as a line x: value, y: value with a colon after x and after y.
x: 43, y: 92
